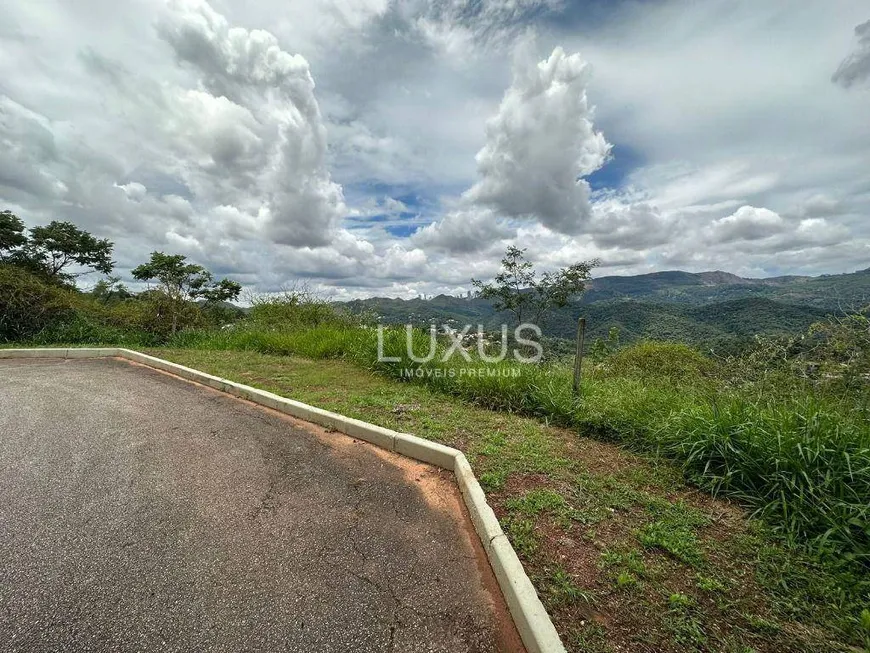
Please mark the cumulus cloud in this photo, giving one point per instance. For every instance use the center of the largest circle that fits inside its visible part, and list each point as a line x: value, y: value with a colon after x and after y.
x: 257, y: 119
x: 463, y: 231
x: 635, y: 226
x: 762, y: 231
x: 539, y: 145
x: 134, y: 190
x: 207, y: 139
x: 856, y: 67
x: 746, y: 223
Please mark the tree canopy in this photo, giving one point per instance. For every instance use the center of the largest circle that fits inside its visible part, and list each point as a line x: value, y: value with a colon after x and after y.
x: 517, y: 287
x: 52, y: 250
x: 183, y: 282
x: 11, y: 233
x: 59, y: 245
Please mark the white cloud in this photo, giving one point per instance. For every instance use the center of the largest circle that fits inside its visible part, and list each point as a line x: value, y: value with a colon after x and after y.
x: 747, y: 223
x: 539, y: 144
x: 636, y: 226
x: 464, y: 230
x: 134, y: 191
x: 253, y: 85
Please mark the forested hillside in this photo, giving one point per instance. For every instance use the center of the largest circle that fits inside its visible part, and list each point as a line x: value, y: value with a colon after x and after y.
x: 710, y: 309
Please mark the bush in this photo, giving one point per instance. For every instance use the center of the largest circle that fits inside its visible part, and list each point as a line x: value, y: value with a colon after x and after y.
x: 298, y: 308
x: 40, y: 312
x: 659, y: 359
x: 82, y: 328
x: 153, y: 312
x: 29, y: 304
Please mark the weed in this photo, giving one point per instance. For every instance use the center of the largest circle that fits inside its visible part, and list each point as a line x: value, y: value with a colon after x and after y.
x: 761, y: 625
x: 709, y: 584
x: 590, y: 638
x: 679, y: 601
x: 562, y: 590
x: 522, y: 535
x: 534, y: 502
x: 674, y: 531
x: 630, y: 562
x: 492, y: 481
x: 682, y: 621
x: 626, y: 580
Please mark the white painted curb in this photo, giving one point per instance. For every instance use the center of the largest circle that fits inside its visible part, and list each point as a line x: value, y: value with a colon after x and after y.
x: 531, y: 619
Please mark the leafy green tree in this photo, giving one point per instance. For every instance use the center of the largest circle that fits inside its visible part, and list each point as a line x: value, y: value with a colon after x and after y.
x: 602, y: 348
x: 518, y: 288
x: 182, y: 282
x: 12, y: 234
x: 52, y: 249
x: 110, y: 290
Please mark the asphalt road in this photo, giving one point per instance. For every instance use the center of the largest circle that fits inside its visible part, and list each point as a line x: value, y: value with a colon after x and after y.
x: 139, y: 512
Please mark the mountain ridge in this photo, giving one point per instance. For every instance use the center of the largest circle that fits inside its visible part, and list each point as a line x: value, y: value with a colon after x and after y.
x: 713, y: 309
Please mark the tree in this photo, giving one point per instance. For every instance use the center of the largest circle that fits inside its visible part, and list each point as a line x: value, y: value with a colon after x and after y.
x: 183, y: 282
x: 52, y: 249
x: 110, y: 290
x: 518, y: 289
x: 11, y: 234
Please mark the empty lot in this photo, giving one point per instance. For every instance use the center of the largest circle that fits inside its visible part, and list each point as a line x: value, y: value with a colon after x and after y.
x: 141, y: 512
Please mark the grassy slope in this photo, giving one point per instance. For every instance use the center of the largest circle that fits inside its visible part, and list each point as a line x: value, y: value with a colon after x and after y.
x: 623, y: 553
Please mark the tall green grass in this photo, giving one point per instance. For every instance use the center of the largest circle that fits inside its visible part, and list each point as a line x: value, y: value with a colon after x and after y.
x: 799, y: 458
x: 803, y: 464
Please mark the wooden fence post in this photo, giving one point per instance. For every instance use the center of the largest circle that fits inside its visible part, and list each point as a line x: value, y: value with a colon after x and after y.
x: 578, y: 355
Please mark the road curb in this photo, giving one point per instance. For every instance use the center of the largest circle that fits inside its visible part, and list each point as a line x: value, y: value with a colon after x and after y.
x: 531, y: 619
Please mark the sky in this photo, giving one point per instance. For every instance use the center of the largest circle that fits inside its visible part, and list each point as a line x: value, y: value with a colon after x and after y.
x: 398, y: 147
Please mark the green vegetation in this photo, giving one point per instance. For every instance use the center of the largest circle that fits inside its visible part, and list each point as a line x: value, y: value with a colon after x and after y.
x: 181, y: 283
x: 58, y: 251
x: 709, y: 310
x: 734, y: 512
x: 41, y: 304
x: 518, y: 290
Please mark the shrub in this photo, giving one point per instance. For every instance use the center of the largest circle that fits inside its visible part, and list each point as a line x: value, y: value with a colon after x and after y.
x: 298, y: 308
x: 29, y: 304
x: 158, y: 315
x: 660, y: 359
x: 83, y: 328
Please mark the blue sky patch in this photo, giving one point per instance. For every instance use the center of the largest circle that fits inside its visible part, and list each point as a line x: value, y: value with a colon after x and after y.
x: 624, y: 160
x: 401, y: 230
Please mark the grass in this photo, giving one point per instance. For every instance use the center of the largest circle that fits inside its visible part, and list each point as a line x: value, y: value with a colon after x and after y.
x: 609, y: 537
x: 675, y: 531
x: 800, y: 459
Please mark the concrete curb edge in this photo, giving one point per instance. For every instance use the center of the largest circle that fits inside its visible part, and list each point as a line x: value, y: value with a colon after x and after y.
x: 531, y: 619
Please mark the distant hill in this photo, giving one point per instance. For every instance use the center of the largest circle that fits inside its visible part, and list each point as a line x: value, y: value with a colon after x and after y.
x: 708, y: 309
x: 827, y: 291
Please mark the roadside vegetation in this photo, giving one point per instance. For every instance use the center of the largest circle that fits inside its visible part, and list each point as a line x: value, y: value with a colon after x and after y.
x: 680, y: 502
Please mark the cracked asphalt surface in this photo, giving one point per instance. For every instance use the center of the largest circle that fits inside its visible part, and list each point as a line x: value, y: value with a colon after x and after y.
x: 139, y: 512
